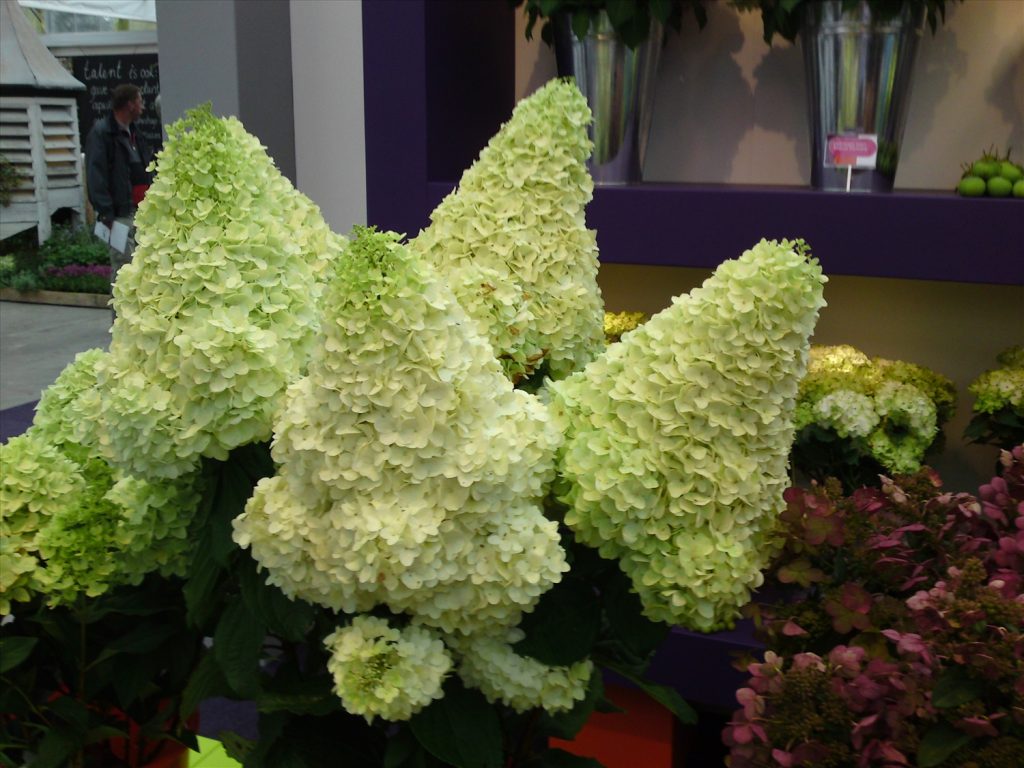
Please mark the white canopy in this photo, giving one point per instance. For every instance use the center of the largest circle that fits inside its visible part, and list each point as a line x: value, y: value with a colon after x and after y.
x: 140, y: 10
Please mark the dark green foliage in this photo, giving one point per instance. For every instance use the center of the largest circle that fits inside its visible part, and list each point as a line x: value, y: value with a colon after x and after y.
x: 631, y: 19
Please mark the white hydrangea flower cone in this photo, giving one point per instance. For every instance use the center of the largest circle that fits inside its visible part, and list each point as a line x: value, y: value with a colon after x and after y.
x: 410, y: 469
x: 677, y: 439
x: 217, y: 311
x: 512, y: 240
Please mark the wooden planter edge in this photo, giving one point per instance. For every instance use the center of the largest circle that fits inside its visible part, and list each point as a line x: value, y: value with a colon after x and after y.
x: 62, y: 298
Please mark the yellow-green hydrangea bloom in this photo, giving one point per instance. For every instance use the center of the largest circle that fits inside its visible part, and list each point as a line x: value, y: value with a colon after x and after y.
x: 1001, y: 387
x: 490, y: 664
x: 217, y: 312
x: 677, y: 438
x: 890, y: 410
x: 512, y: 240
x: 381, y: 671
x: 410, y: 470
x: 115, y: 528
x: 36, y: 482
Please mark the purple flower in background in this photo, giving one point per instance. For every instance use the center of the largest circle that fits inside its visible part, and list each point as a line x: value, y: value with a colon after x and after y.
x: 80, y: 270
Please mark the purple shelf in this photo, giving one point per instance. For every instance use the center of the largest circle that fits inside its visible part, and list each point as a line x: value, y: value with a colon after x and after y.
x: 917, y: 236
x: 439, y: 80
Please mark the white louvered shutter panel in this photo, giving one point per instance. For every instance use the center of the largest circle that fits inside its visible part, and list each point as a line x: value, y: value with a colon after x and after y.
x: 60, y: 144
x: 16, y: 145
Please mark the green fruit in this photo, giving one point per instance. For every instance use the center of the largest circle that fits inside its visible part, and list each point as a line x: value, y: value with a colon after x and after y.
x: 1018, y: 188
x: 984, y: 168
x: 1010, y: 171
x: 971, y: 186
x: 997, y: 186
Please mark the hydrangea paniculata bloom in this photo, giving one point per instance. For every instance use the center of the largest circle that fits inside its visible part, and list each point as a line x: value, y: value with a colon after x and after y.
x: 36, y: 481
x: 409, y: 468
x: 217, y: 311
x: 888, y: 410
x: 114, y: 528
x: 677, y: 438
x: 381, y: 671
x: 512, y: 240
x: 490, y: 664
x: 1002, y: 387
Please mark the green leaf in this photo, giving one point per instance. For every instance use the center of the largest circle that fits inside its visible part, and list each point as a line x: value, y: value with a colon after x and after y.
x: 231, y: 492
x: 565, y: 725
x: 237, y: 644
x: 462, y: 729
x: 288, y: 619
x: 143, y: 639
x: 625, y: 615
x: 661, y: 10
x: 134, y: 675
x: 207, y: 681
x: 663, y: 694
x: 56, y: 748
x: 580, y: 24
x: 14, y: 650
x: 236, y: 747
x: 954, y: 687
x: 202, y: 590
x: 620, y: 11
x: 563, y: 627
x: 401, y: 750
x: 938, y: 744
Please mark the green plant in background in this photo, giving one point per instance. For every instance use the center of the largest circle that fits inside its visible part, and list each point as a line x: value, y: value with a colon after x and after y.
x: 998, y: 410
x: 68, y: 245
x: 618, y: 323
x: 8, y: 269
x: 631, y: 19
x: 785, y: 17
x: 11, y: 179
x: 859, y: 416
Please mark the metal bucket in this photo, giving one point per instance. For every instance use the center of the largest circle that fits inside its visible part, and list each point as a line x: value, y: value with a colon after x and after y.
x: 858, y: 84
x: 618, y: 84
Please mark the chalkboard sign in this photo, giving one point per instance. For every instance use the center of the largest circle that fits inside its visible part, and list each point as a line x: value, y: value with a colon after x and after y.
x: 101, y: 74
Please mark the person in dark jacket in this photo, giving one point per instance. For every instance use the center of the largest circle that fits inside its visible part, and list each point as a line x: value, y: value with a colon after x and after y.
x: 116, y: 158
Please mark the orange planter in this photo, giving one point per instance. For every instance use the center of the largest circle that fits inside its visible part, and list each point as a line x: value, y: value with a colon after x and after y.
x: 643, y: 735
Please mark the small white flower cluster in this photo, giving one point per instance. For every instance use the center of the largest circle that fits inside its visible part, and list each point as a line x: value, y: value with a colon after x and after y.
x: 489, y: 663
x: 512, y: 240
x: 677, y: 438
x: 410, y: 471
x: 381, y: 671
x: 217, y: 311
x: 850, y: 414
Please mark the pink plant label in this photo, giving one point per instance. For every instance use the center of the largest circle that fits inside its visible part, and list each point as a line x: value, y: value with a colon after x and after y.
x: 857, y: 150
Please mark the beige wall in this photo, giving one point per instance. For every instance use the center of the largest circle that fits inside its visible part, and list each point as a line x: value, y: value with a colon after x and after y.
x: 730, y: 109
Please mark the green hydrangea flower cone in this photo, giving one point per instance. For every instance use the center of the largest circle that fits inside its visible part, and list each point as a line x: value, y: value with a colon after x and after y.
x: 512, y: 240
x: 73, y: 524
x: 677, y: 438
x: 409, y: 468
x: 217, y: 311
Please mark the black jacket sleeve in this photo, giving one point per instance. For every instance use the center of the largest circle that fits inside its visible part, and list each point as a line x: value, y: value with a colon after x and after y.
x: 97, y: 173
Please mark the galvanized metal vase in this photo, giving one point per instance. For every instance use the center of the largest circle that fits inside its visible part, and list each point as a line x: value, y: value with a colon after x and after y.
x: 858, y: 83
x: 618, y: 84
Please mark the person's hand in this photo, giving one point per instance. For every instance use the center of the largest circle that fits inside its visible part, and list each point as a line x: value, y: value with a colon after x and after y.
x: 107, y: 221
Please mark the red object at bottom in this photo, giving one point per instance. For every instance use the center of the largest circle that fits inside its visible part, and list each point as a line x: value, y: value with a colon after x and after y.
x: 640, y: 737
